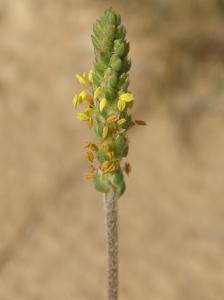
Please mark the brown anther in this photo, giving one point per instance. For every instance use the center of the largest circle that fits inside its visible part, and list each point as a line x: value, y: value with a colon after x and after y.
x: 105, y: 132
x: 104, y: 165
x: 90, y: 156
x: 88, y: 144
x: 110, y: 154
x: 89, y: 175
x: 91, y: 169
x: 112, y: 119
x: 89, y: 98
x: 121, y: 121
x: 90, y: 122
x: 139, y: 122
x: 104, y: 144
x: 110, y: 168
x: 94, y: 147
x: 127, y: 168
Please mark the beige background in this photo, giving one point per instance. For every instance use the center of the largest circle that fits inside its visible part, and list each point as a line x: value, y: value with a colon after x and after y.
x: 171, y: 218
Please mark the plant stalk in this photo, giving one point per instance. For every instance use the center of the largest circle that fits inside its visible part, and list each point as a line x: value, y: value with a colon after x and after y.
x: 110, y: 208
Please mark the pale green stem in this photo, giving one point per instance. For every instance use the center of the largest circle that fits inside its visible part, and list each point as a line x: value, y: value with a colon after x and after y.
x: 110, y: 208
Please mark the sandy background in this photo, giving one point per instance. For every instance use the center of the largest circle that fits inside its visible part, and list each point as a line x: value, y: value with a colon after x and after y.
x: 171, y: 217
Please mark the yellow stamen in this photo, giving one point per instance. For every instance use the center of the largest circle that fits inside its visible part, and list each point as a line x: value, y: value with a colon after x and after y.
x: 81, y: 79
x: 90, y: 122
x: 89, y: 175
x: 104, y: 144
x: 94, y: 147
x: 82, y: 117
x: 127, y: 97
x: 90, y: 77
x: 104, y: 165
x: 121, y: 104
x: 91, y: 169
x: 111, y: 168
x: 112, y: 119
x: 121, y: 121
x: 96, y: 93
x: 76, y: 100
x: 103, y: 103
x: 105, y: 132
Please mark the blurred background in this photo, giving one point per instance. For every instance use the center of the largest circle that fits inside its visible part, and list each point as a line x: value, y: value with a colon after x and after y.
x: 171, y: 218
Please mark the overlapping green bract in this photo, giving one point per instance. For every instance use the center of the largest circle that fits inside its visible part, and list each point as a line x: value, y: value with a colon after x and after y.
x: 111, y: 82
x: 111, y: 51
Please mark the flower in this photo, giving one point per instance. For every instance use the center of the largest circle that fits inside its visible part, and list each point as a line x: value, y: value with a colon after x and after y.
x: 75, y: 100
x: 96, y: 93
x: 86, y: 115
x: 103, y: 103
x: 90, y: 77
x: 82, y: 79
x: 123, y: 99
x: 81, y: 97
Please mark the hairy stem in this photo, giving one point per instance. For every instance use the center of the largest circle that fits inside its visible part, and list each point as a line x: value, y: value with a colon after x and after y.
x: 110, y: 208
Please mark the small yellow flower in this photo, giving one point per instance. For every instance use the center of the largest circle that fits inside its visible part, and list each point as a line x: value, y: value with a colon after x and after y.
x: 75, y: 100
x: 82, y: 79
x: 127, y: 97
x: 90, y: 77
x: 82, y: 117
x: 103, y: 103
x: 96, y: 93
x: 88, y: 111
x: 82, y: 96
x: 121, y: 105
x: 123, y: 99
x: 86, y: 115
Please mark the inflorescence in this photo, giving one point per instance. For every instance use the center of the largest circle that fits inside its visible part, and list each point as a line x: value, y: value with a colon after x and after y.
x: 108, y: 104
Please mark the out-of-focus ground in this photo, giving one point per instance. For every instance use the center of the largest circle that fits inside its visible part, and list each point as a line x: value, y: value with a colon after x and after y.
x: 171, y: 218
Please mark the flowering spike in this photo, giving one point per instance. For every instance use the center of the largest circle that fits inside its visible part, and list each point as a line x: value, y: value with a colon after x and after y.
x: 107, y: 109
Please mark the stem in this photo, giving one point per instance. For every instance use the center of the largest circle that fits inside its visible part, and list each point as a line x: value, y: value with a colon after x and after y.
x: 110, y: 208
